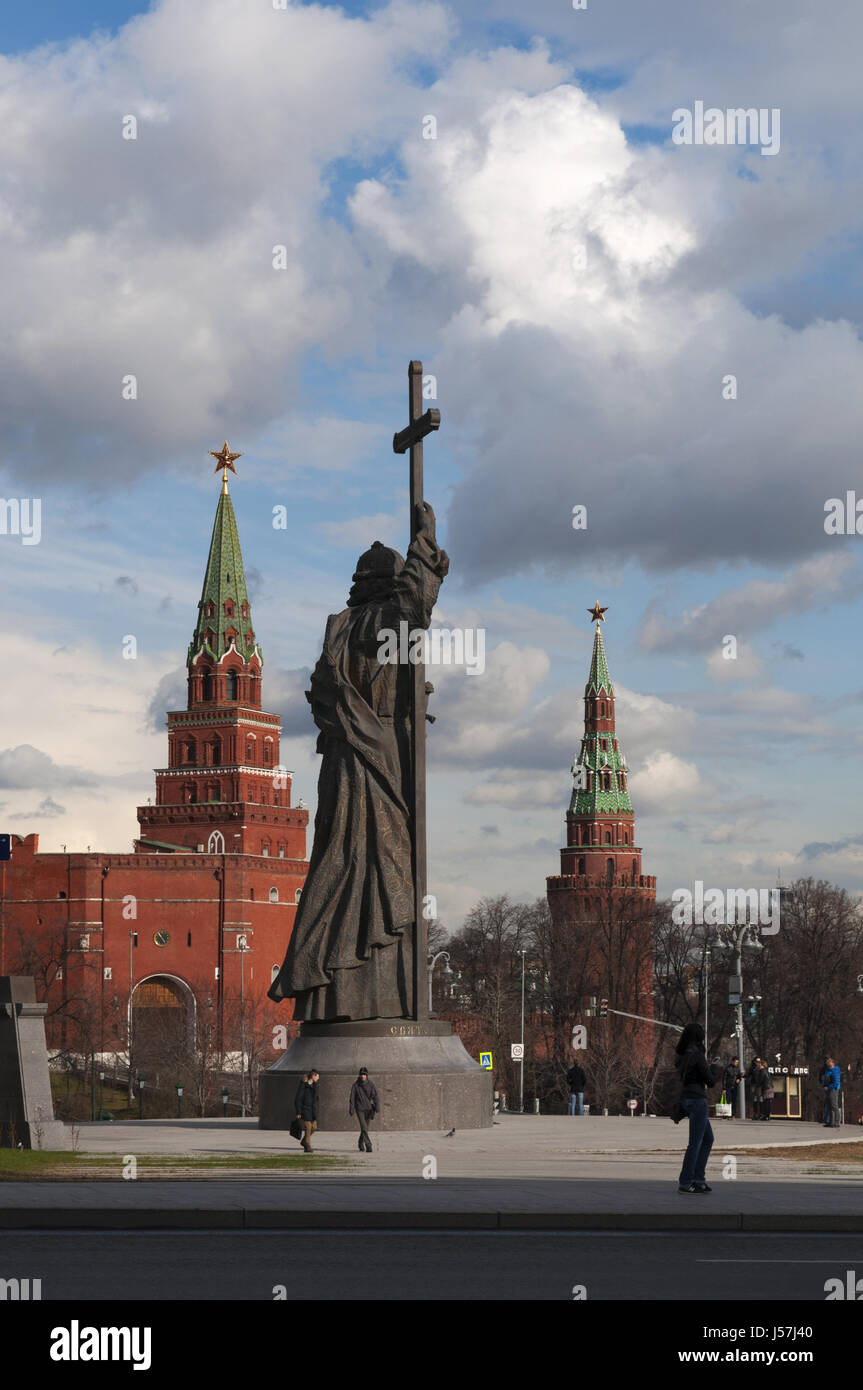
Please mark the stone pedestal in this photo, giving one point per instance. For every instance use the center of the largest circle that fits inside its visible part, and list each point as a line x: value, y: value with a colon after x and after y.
x: 424, y: 1077
x: 26, y: 1106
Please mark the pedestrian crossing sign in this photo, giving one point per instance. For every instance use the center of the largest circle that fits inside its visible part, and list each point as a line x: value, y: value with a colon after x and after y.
x: 485, y: 1061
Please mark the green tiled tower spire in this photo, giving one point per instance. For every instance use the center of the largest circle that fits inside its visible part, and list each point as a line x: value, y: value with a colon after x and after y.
x: 224, y: 611
x: 599, y: 679
x: 601, y: 782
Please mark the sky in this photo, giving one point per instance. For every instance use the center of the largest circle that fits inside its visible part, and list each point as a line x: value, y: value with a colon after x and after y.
x: 260, y: 215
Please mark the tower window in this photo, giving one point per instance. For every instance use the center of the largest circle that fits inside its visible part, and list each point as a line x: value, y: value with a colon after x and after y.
x: 231, y: 686
x: 634, y: 868
x: 608, y: 837
x: 581, y: 868
x: 229, y: 609
x: 188, y: 938
x: 274, y: 895
x: 609, y: 870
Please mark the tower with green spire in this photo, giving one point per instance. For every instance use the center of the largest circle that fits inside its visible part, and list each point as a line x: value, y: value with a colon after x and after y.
x: 600, y: 845
x: 224, y: 790
x: 601, y: 904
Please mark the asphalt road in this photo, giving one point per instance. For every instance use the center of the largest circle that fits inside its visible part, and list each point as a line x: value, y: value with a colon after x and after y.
x: 463, y: 1266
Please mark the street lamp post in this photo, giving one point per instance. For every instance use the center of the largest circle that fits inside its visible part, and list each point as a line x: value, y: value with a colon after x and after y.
x: 706, y: 992
x: 242, y: 944
x: 141, y: 1084
x: 225, y: 1102
x: 521, y: 1063
x: 734, y: 938
x: 179, y: 1101
x: 132, y: 938
x: 441, y: 955
x: 101, y: 1090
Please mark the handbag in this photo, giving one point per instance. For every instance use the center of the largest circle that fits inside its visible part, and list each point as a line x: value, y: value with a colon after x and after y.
x: 297, y: 1129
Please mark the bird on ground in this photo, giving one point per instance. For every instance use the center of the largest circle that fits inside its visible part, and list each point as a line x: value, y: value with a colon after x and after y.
x: 450, y: 1135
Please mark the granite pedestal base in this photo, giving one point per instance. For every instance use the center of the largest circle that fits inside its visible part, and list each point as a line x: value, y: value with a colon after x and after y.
x: 26, y: 1108
x: 424, y: 1077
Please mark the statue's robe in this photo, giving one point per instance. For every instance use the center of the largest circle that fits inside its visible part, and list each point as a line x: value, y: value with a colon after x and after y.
x: 350, y: 955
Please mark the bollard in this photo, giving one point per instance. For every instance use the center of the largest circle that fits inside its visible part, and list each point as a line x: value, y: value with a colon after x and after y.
x: 536, y: 1105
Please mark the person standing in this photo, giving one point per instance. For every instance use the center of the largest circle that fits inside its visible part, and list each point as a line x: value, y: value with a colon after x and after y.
x: 825, y: 1113
x: 832, y: 1083
x: 577, y: 1081
x: 753, y: 1079
x: 766, y: 1092
x: 730, y: 1081
x: 696, y: 1074
x: 365, y: 1105
x: 306, y: 1106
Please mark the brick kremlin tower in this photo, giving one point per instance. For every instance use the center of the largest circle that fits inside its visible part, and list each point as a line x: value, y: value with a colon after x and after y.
x: 601, y: 902
x: 223, y: 790
x: 600, y: 846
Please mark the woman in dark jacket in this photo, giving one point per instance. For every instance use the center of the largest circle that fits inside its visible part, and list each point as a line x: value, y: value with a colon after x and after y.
x: 696, y: 1074
x: 306, y: 1106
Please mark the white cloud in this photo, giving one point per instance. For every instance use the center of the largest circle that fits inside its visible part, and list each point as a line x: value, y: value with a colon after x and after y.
x: 666, y: 785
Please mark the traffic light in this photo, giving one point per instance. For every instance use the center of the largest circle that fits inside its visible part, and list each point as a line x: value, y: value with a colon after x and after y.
x: 603, y: 1008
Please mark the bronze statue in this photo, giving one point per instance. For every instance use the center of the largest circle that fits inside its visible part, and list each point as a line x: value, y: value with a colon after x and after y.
x: 352, y: 954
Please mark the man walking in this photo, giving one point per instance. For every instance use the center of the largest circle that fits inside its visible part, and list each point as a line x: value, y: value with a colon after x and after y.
x: 832, y: 1083
x: 365, y: 1105
x: 306, y: 1106
x: 576, y: 1080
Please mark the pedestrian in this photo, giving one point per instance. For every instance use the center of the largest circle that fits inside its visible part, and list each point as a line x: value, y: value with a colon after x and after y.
x: 832, y: 1083
x: 730, y: 1079
x: 753, y: 1077
x: 365, y: 1105
x: 766, y: 1092
x: 825, y: 1109
x: 306, y: 1106
x: 576, y: 1081
x: 696, y: 1074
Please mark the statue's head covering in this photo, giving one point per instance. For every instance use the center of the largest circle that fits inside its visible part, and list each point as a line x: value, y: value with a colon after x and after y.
x: 374, y: 575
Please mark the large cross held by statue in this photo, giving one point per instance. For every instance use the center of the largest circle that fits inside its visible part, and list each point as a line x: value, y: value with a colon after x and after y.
x: 412, y: 438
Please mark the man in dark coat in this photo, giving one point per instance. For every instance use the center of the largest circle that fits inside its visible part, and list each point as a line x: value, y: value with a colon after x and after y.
x: 351, y: 950
x: 577, y: 1081
x: 306, y: 1106
x: 730, y: 1080
x: 365, y: 1105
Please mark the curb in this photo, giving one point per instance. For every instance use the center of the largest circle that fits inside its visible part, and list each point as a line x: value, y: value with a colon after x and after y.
x: 260, y: 1219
